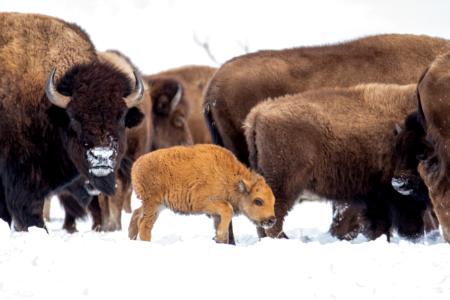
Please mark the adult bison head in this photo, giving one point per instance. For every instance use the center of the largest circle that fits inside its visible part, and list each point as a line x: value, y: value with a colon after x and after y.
x: 92, y: 105
x: 170, y: 113
x: 411, y: 147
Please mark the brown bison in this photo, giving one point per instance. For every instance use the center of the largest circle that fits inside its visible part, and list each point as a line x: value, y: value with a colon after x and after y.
x: 194, y: 80
x: 433, y: 92
x: 244, y: 81
x: 63, y: 114
x: 201, y: 179
x: 338, y: 144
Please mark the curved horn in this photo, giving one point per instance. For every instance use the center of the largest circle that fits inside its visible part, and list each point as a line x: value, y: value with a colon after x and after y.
x: 136, y: 96
x: 399, y: 129
x: 176, y: 99
x: 53, y: 95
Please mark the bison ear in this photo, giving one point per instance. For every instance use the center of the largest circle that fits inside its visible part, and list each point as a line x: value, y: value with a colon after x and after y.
x: 134, y: 117
x: 244, y: 186
x: 58, y: 116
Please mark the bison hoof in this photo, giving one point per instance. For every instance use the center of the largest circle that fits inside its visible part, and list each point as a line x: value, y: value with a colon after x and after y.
x: 221, y: 239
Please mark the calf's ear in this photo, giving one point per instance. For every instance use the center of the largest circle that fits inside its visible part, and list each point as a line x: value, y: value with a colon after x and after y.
x: 244, y: 186
x: 134, y: 117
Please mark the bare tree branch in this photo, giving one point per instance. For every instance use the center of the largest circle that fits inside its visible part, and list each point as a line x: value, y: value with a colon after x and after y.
x: 244, y: 46
x: 205, y: 45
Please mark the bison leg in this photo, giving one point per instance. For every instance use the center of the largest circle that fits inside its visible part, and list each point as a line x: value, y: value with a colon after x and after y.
x: 127, y: 201
x: 4, y: 213
x: 133, y: 228
x: 147, y: 219
x: 222, y: 212
x: 103, y: 202
x: 347, y: 222
x: 231, y: 240
x: 73, y: 210
x: 283, y: 205
x: 47, y: 209
x: 96, y: 213
x: 115, y: 207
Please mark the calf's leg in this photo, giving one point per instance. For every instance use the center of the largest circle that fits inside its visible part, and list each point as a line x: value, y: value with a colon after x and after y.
x: 150, y: 212
x: 222, y: 213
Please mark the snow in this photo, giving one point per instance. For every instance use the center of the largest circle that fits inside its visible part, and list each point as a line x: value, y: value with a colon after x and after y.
x: 182, y: 261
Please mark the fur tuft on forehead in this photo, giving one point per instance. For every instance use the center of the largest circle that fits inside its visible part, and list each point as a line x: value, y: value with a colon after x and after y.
x: 95, y: 81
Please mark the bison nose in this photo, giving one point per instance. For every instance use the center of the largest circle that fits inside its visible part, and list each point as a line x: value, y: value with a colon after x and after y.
x: 101, y: 157
x: 272, y: 220
x: 398, y: 183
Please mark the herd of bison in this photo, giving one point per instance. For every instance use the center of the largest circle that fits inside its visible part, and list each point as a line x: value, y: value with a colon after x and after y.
x: 364, y: 124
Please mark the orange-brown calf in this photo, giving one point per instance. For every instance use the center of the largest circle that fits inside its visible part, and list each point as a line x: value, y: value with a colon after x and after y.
x: 201, y: 179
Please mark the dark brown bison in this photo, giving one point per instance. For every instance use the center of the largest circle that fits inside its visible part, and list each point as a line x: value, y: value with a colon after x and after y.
x: 433, y: 92
x: 412, y: 147
x: 63, y: 114
x: 244, y: 81
x: 194, y: 80
x: 166, y: 109
x: 338, y: 144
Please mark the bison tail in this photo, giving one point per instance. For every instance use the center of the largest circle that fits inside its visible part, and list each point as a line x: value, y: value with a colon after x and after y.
x: 215, y: 136
x: 250, y: 137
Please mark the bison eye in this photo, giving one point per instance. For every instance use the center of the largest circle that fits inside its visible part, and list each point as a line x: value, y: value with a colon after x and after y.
x: 258, y: 202
x: 421, y: 156
x: 179, y: 122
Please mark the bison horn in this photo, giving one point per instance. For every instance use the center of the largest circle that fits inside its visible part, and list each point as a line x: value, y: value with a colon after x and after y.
x: 53, y: 95
x: 135, y: 98
x: 399, y: 129
x: 176, y: 99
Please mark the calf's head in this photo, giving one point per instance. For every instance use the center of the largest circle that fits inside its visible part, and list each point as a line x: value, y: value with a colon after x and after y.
x: 258, y: 202
x: 411, y: 147
x: 92, y: 105
x: 170, y: 113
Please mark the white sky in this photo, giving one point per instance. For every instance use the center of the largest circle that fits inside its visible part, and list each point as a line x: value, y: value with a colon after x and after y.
x: 158, y: 35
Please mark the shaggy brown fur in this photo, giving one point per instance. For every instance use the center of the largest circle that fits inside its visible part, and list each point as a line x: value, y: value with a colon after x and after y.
x: 412, y: 147
x: 201, y: 179
x: 162, y: 128
x: 46, y: 144
x: 338, y: 144
x: 433, y: 91
x: 171, y: 127
x: 195, y: 80
x: 244, y: 81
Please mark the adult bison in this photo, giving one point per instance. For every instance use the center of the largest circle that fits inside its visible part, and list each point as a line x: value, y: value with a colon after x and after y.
x: 63, y: 114
x: 194, y: 80
x: 338, y: 144
x: 412, y: 147
x: 433, y: 92
x: 244, y: 81
x: 165, y: 108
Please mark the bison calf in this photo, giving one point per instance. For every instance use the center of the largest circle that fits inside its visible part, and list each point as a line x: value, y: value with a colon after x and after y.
x: 201, y: 179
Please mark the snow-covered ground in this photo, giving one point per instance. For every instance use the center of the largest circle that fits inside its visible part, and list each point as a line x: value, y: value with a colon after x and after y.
x: 182, y: 261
